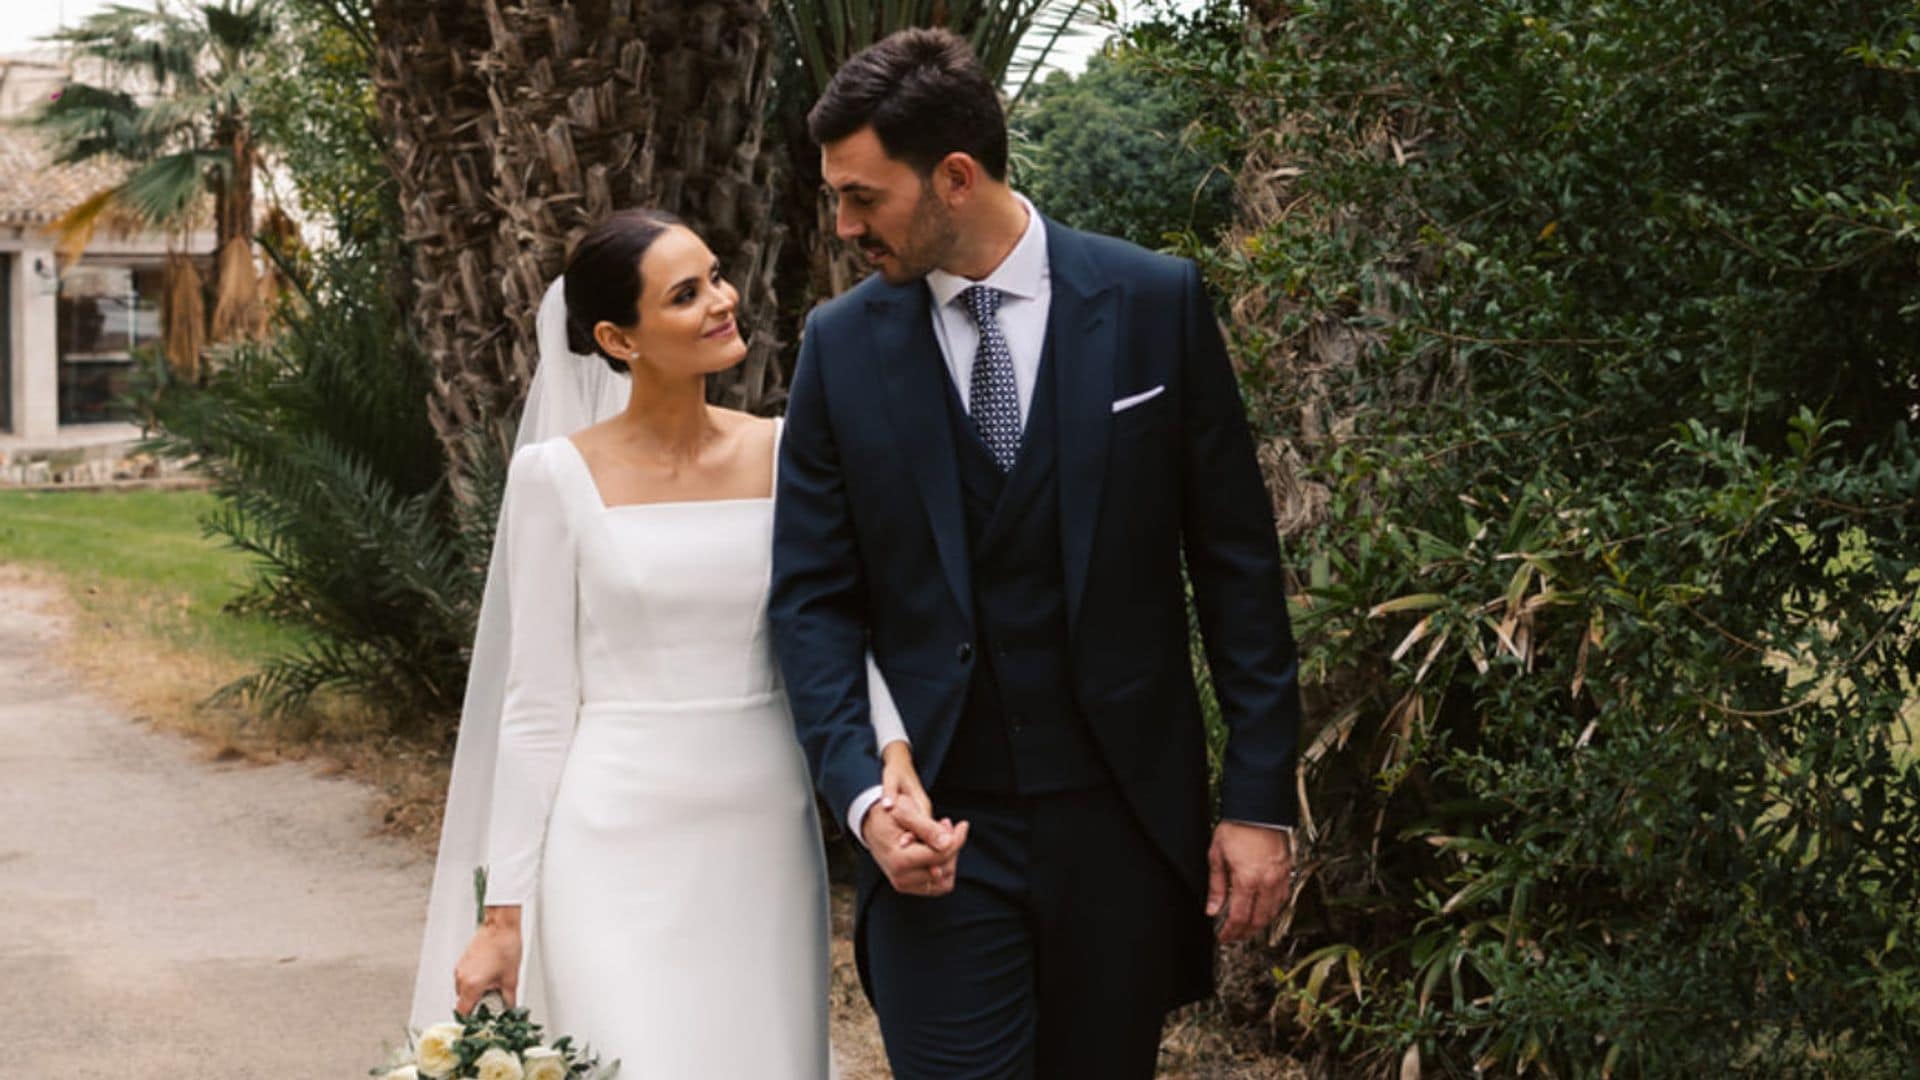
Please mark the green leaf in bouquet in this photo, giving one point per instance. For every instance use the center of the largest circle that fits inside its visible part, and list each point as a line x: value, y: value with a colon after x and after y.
x: 479, y: 895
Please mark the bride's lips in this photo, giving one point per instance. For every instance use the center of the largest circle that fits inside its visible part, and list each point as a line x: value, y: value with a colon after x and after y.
x: 726, y: 331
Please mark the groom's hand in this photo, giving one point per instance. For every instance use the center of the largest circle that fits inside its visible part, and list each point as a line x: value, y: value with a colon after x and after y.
x: 917, y: 853
x: 1250, y: 875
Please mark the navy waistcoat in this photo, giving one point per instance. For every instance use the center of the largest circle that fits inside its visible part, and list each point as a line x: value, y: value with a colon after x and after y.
x: 1021, y: 730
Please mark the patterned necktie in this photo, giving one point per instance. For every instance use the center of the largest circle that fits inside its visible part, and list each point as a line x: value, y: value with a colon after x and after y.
x: 993, y: 402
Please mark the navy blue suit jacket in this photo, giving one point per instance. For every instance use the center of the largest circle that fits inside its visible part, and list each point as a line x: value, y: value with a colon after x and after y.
x: 870, y: 545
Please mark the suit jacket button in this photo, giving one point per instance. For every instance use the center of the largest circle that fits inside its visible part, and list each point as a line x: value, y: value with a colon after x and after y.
x: 964, y: 653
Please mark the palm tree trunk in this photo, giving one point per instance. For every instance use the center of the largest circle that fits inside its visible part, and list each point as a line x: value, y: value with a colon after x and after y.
x: 438, y: 119
x: 234, y: 204
x: 516, y: 124
x: 714, y: 85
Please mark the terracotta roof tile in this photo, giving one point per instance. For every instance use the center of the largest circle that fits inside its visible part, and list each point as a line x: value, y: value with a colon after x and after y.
x: 35, y: 191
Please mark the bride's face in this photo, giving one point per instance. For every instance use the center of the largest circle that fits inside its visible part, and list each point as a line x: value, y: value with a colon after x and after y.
x: 686, y: 310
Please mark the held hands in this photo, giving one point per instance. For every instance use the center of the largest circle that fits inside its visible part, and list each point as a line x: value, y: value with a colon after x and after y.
x: 916, y: 852
x: 491, y: 962
x: 1250, y: 876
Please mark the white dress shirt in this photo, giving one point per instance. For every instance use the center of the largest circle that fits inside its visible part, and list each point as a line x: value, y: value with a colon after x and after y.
x: 1026, y: 293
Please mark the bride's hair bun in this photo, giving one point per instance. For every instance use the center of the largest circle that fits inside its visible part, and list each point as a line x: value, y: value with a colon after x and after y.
x: 602, y: 281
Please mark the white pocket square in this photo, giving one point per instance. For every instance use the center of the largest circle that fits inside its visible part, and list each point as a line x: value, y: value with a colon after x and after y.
x: 1141, y: 398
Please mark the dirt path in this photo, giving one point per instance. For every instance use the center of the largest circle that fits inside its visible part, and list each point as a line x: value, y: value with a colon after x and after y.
x: 165, y: 915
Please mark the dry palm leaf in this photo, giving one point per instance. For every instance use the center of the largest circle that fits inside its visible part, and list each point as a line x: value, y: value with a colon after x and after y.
x: 186, y: 316
x: 238, y: 310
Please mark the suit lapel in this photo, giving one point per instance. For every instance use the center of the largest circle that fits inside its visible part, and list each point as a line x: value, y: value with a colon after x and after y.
x: 916, y: 379
x: 1081, y: 329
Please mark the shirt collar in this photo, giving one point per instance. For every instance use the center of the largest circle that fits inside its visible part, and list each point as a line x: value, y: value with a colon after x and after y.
x: 1021, y: 274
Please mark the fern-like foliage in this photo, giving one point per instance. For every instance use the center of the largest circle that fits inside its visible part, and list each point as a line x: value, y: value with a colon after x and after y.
x: 330, y: 476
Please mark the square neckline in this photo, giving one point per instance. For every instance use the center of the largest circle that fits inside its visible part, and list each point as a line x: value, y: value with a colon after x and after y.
x: 593, y: 485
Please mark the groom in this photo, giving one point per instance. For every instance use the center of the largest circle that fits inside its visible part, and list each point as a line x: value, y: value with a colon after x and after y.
x: 1000, y: 451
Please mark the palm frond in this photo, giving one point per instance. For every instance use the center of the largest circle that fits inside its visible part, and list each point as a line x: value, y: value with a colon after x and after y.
x: 329, y: 478
x: 1013, y: 38
x: 178, y: 121
x: 1056, y: 22
x: 186, y: 317
x: 87, y: 121
x: 238, y: 309
x: 73, y: 230
x: 155, y: 41
x: 239, y: 28
x: 163, y: 190
x: 386, y: 590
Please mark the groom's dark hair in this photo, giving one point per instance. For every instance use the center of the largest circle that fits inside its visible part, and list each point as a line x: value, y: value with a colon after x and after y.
x: 926, y: 96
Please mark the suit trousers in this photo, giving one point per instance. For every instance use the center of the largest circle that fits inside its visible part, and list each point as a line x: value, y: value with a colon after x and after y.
x: 1053, y: 957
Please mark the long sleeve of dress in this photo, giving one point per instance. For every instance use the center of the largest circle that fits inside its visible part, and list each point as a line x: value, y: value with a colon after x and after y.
x: 542, y: 698
x: 888, y: 725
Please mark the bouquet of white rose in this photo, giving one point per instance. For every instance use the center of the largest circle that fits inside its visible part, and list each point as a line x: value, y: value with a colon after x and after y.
x: 493, y: 1044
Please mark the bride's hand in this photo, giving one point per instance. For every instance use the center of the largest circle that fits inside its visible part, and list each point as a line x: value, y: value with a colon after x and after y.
x: 491, y: 962
x: 899, y: 780
x: 903, y: 797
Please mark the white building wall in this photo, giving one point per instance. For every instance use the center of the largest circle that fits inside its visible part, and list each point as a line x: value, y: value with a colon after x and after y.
x: 34, y: 327
x: 33, y: 429
x: 35, y: 348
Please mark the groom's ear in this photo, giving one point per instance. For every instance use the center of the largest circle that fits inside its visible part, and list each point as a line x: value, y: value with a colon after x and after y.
x: 957, y: 177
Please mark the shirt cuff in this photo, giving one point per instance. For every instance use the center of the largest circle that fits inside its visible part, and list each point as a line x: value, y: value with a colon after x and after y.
x: 1259, y: 825
x: 857, y: 813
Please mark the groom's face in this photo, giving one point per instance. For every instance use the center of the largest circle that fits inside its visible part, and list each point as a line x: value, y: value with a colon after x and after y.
x: 886, y: 208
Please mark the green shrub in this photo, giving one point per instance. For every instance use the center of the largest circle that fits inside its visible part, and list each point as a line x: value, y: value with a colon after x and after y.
x: 329, y: 474
x: 1124, y: 149
x: 317, y: 109
x: 1587, y: 341
x: 326, y: 467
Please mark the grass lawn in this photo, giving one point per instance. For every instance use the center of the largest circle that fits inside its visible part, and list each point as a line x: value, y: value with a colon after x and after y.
x: 136, y: 561
x: 144, y: 596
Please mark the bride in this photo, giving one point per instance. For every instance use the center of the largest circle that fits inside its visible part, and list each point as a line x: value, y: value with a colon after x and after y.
x: 627, y: 770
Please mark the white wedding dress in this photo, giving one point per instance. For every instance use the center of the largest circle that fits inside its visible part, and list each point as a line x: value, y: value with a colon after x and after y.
x: 651, y: 808
x: 627, y: 771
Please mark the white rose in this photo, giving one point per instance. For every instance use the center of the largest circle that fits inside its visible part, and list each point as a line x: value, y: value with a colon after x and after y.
x: 498, y: 1064
x: 404, y: 1072
x: 546, y: 1063
x: 435, y: 1052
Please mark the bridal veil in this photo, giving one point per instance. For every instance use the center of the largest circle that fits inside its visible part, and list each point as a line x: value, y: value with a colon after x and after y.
x: 569, y: 392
